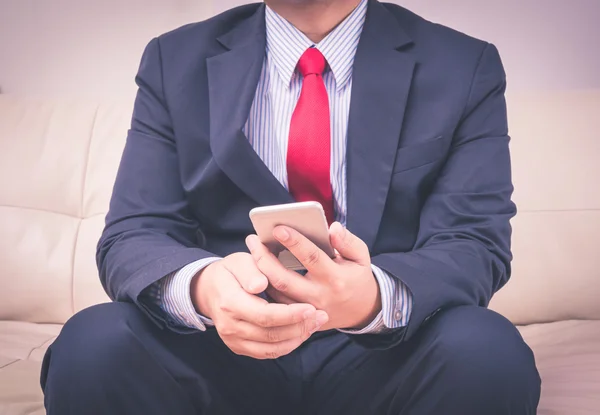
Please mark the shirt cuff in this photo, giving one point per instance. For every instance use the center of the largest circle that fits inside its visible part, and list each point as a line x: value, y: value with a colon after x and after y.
x: 172, y: 294
x: 396, y: 305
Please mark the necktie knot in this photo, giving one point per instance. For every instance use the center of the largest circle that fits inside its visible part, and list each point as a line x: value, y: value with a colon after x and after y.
x: 312, y: 62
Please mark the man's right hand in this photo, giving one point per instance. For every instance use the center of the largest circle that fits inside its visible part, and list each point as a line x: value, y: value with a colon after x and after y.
x: 225, y: 292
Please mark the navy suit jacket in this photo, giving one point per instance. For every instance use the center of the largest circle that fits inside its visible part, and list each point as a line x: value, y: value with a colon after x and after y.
x: 429, y: 182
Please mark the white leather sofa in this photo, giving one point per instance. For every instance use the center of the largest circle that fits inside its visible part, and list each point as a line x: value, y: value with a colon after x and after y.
x: 58, y: 161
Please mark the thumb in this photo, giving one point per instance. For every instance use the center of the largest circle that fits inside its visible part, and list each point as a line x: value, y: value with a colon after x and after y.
x: 248, y: 275
x: 254, y: 284
x: 252, y: 280
x: 350, y: 246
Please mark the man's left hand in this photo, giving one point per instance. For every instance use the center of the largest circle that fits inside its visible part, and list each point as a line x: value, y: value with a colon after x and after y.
x: 344, y: 286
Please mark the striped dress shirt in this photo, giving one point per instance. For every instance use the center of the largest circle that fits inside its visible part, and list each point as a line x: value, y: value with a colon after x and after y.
x: 267, y: 129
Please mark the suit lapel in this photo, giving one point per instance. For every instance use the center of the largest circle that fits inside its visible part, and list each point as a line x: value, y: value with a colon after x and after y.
x: 381, y: 81
x: 232, y: 78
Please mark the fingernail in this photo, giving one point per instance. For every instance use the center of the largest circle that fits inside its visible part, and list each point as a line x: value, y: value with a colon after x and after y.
x: 282, y: 234
x: 321, y: 318
x: 308, y: 314
x: 254, y: 285
x: 251, y: 242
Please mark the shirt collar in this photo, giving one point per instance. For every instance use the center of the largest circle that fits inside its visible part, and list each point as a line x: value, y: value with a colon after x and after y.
x: 286, y: 44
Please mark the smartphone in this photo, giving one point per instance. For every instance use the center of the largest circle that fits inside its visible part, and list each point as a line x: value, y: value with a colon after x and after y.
x: 308, y: 218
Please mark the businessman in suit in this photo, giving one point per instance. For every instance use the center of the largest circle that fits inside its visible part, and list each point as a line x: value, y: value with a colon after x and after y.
x: 397, y: 126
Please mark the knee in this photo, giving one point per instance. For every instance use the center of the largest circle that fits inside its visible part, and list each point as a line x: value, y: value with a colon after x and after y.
x: 480, y: 349
x: 93, y: 343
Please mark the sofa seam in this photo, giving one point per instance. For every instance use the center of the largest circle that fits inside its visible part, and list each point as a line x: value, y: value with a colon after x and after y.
x: 52, y: 211
x: 558, y: 210
x: 73, y: 266
x: 11, y: 363
x: 37, y: 347
x: 81, y: 207
x: 87, y: 163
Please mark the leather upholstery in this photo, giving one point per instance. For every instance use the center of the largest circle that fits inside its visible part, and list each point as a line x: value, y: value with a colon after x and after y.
x: 556, y: 166
x: 59, y: 160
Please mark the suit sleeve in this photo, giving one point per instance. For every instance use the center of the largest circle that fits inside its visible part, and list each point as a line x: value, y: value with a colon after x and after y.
x: 150, y: 231
x: 462, y: 253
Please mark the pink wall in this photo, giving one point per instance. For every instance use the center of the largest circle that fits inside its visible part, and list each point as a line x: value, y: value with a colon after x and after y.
x: 83, y: 47
x: 92, y: 47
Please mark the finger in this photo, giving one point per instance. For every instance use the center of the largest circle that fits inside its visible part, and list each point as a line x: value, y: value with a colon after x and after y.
x: 292, y: 284
x: 349, y: 246
x: 309, y: 255
x: 304, y: 329
x: 257, y: 311
x: 262, y: 351
x: 246, y: 272
x: 278, y: 297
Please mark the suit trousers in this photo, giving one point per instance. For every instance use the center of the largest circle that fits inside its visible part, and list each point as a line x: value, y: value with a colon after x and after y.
x: 111, y: 359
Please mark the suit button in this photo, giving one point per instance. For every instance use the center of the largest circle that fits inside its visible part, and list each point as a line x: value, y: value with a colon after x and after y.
x: 398, y: 315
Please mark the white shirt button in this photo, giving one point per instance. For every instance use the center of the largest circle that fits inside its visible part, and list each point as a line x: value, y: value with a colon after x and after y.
x: 398, y: 315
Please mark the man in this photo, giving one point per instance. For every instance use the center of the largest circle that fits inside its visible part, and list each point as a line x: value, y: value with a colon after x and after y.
x: 398, y: 127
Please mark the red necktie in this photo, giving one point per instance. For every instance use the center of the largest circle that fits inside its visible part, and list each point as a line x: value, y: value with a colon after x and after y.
x: 309, y: 144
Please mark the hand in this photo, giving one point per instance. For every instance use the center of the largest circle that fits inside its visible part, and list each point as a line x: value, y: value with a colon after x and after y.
x: 344, y: 287
x: 250, y: 326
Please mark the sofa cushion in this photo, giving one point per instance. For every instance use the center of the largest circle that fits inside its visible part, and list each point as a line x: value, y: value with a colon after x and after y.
x: 20, y: 392
x: 26, y: 341
x: 36, y: 253
x: 555, y: 267
x: 555, y: 150
x: 567, y: 354
x: 22, y: 348
x: 59, y: 161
